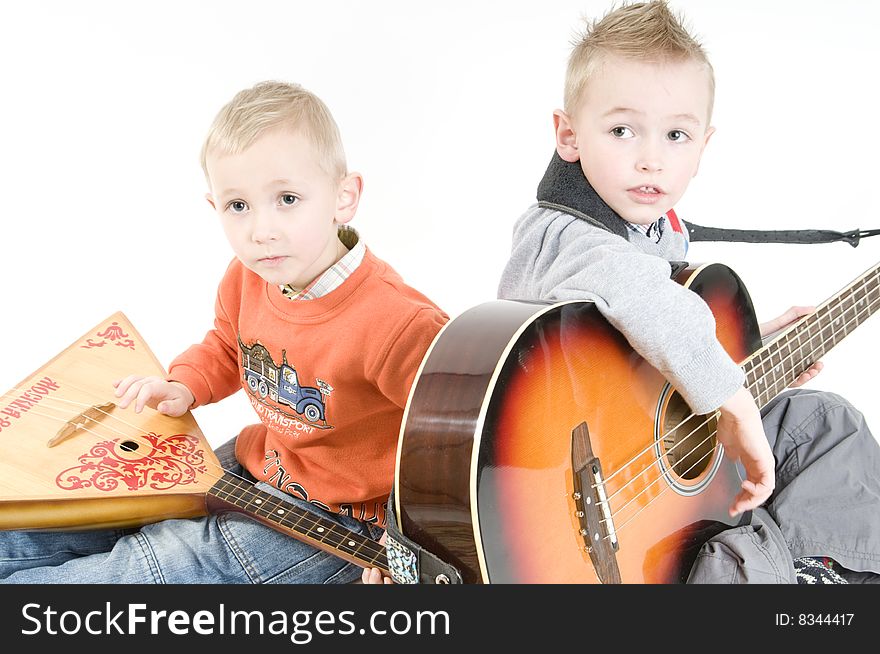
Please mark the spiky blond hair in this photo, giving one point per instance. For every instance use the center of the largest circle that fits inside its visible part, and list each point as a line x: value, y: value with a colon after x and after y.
x: 647, y: 31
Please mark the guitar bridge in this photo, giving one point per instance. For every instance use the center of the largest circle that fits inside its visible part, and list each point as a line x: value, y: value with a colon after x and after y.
x: 591, y: 507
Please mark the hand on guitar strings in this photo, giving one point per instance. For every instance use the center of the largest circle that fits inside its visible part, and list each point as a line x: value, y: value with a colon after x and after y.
x: 780, y: 323
x: 168, y: 397
x: 741, y: 433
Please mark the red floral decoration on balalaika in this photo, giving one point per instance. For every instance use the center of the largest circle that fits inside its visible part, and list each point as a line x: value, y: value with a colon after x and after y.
x: 112, y: 334
x: 172, y: 461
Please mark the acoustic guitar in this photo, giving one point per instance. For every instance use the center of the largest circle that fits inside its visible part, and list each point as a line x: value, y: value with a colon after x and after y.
x: 538, y: 447
x: 71, y: 459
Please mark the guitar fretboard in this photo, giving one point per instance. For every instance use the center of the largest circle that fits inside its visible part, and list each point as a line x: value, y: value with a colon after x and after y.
x: 299, y: 523
x: 776, y: 365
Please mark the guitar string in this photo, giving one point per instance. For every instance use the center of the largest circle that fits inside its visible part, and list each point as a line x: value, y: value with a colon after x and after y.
x: 799, y: 351
x: 662, y: 475
x: 305, y: 518
x: 766, y: 348
x: 701, y: 443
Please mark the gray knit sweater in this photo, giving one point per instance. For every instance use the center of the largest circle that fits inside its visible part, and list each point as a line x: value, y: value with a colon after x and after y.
x: 558, y: 255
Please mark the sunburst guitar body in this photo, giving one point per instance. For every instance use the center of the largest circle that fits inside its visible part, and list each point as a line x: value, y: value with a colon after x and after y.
x: 539, y: 447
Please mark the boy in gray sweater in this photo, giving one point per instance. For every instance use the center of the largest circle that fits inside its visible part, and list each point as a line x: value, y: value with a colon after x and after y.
x: 638, y: 103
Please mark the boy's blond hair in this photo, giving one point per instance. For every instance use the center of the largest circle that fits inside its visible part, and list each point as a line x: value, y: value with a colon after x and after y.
x: 646, y: 31
x: 272, y: 104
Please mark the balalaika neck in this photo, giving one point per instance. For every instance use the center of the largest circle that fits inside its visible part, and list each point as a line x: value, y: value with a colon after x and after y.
x: 232, y: 493
x: 775, y: 366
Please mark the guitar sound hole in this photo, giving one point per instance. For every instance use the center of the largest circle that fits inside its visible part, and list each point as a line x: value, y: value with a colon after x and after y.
x: 689, y: 439
x: 128, y: 446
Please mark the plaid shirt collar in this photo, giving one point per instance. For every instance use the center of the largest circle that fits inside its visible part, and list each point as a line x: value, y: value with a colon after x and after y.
x: 333, y: 277
x: 653, y: 231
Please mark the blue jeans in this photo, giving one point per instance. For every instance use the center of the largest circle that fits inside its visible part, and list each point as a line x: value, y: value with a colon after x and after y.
x: 226, y: 548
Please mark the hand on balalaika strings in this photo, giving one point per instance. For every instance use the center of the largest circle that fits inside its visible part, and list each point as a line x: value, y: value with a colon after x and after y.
x: 168, y: 397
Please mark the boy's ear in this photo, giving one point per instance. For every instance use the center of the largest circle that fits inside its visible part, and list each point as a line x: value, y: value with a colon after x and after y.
x: 709, y: 132
x: 566, y: 139
x: 210, y: 199
x: 350, y: 189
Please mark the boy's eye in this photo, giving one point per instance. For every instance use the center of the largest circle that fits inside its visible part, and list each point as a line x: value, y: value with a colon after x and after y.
x: 622, y: 132
x: 289, y: 199
x: 677, y: 135
x: 237, y: 206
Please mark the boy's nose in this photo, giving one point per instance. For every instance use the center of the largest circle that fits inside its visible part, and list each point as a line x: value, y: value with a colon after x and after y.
x: 649, y: 160
x: 264, y: 228
x: 649, y: 164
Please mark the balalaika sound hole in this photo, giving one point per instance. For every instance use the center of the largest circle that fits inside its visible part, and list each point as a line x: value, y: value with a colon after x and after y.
x: 685, y: 444
x: 128, y: 446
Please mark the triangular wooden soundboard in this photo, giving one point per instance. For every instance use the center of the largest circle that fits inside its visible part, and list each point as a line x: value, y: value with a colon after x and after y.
x: 110, y: 467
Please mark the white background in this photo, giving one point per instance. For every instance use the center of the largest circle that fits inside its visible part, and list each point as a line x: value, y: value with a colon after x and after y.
x: 446, y: 110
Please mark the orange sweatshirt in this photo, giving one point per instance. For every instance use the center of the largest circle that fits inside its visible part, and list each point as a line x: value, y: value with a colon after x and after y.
x: 328, y: 378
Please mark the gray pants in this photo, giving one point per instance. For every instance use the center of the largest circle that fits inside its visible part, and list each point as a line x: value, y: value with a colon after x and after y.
x: 826, y: 501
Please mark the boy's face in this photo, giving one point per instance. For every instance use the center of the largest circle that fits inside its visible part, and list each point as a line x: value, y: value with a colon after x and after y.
x: 639, y: 132
x: 279, y: 208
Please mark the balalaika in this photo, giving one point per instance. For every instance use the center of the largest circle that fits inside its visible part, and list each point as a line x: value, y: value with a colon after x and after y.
x: 71, y: 459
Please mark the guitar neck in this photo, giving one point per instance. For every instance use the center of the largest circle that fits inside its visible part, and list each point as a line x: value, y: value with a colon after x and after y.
x: 233, y: 493
x: 775, y: 366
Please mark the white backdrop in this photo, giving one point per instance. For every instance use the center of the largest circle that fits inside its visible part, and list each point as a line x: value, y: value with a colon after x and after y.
x: 446, y: 110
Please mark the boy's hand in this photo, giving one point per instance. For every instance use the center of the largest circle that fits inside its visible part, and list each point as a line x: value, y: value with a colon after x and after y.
x: 374, y: 575
x: 171, y: 398
x: 741, y: 433
x: 792, y: 315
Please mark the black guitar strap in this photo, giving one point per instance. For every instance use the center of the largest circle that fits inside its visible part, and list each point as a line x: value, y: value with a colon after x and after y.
x: 804, y: 236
